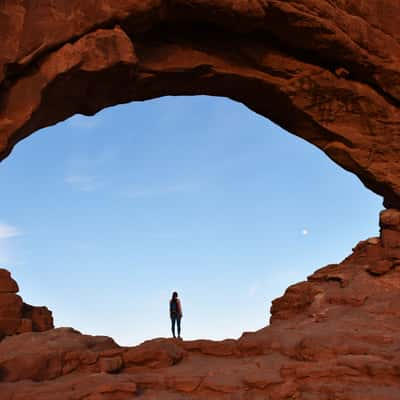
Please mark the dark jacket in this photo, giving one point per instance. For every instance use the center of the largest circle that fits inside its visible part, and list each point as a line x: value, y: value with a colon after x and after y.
x: 175, y: 308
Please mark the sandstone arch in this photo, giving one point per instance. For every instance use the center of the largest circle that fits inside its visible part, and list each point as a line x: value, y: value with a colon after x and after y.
x: 326, y: 71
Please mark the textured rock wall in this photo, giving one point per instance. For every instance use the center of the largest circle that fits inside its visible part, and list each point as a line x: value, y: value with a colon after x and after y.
x: 332, y: 337
x: 326, y: 71
x: 15, y: 315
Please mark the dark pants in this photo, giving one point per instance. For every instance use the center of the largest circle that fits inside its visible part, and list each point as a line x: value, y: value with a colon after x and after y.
x: 176, y: 319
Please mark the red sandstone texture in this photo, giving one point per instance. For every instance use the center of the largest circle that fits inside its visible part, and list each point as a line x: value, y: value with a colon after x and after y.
x: 333, y: 337
x: 16, y: 316
x: 327, y: 71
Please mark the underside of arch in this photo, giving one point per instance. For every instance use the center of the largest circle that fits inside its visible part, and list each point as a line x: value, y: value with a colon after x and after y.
x: 327, y: 72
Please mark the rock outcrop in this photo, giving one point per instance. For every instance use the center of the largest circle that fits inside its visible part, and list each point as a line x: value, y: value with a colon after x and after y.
x: 327, y: 71
x: 334, y: 336
x: 15, y: 315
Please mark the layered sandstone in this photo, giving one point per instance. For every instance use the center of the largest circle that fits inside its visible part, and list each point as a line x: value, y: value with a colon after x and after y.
x: 15, y: 315
x: 326, y: 71
x: 334, y: 336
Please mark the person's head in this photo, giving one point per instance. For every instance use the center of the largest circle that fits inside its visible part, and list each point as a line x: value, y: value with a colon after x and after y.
x: 174, y: 295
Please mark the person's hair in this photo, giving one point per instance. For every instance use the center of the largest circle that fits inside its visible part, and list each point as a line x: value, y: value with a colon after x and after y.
x: 174, y: 295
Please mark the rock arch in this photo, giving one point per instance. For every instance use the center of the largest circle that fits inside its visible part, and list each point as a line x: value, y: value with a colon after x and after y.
x: 326, y: 71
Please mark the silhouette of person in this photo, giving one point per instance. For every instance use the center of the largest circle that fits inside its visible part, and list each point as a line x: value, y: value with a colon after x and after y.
x: 175, y: 312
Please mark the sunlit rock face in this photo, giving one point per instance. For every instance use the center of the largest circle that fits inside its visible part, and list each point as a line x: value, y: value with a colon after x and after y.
x: 15, y: 315
x: 334, y: 336
x: 326, y: 71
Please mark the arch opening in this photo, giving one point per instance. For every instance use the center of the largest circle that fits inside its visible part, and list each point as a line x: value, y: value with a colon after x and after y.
x: 223, y: 199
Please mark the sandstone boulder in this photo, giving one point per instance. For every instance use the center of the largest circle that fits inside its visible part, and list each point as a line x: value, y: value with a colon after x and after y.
x: 7, y: 284
x: 15, y: 315
x: 154, y: 354
x: 41, y: 317
x: 54, y: 353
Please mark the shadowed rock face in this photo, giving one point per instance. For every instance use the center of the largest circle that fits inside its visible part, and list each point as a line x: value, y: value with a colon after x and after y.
x: 326, y: 71
x: 16, y: 316
x: 335, y: 336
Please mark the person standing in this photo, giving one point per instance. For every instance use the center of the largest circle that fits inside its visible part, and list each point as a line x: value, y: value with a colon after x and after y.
x: 175, y: 312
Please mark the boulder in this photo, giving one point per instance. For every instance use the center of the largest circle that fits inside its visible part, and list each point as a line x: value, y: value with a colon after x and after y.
x: 17, y: 316
x: 7, y: 284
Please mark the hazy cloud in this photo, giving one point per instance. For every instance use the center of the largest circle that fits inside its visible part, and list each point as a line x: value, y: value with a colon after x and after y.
x: 155, y: 191
x: 8, y: 231
x: 84, y: 183
x: 7, y: 254
x: 253, y: 289
x: 82, y: 172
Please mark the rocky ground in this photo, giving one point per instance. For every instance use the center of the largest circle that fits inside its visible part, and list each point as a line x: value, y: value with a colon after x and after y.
x: 332, y: 337
x: 17, y: 316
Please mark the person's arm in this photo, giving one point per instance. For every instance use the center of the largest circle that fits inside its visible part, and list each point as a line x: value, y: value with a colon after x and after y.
x: 179, y: 307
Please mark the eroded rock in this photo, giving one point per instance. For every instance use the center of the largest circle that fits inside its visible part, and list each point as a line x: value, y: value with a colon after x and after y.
x: 7, y: 284
x: 15, y: 315
x: 334, y: 336
x: 332, y: 69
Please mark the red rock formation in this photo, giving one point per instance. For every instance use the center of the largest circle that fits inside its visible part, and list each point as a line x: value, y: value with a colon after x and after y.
x: 326, y: 71
x: 16, y: 316
x: 334, y: 336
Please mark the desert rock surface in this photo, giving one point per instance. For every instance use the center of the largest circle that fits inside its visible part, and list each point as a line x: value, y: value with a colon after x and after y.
x: 15, y: 315
x: 327, y: 71
x: 334, y: 336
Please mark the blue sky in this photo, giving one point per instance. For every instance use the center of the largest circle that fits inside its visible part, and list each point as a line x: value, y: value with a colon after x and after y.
x: 103, y: 217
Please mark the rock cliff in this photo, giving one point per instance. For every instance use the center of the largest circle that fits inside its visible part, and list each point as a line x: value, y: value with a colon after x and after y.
x: 334, y: 336
x: 15, y: 315
x: 327, y: 71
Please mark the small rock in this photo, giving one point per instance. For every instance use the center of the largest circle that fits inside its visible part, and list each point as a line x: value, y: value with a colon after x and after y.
x: 42, y: 318
x: 184, y: 384
x: 7, y: 284
x: 223, y: 383
x: 342, y: 72
x: 26, y: 325
x: 380, y: 267
x: 156, y: 353
x: 110, y: 364
x: 374, y: 240
x: 390, y: 219
x: 390, y: 238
